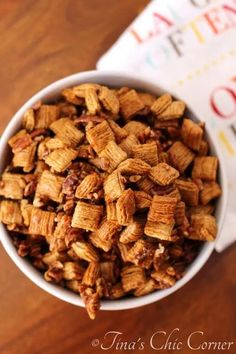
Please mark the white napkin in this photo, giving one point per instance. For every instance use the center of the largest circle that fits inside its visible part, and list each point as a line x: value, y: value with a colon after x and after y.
x: 189, y: 48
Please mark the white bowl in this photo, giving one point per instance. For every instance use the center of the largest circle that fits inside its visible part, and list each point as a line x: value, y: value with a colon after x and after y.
x: 110, y: 79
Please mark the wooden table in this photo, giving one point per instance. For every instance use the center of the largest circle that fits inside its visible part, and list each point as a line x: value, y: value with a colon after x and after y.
x: 42, y: 41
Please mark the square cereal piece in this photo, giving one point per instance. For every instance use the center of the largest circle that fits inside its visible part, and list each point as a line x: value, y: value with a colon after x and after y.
x: 146, y: 185
x: 172, y: 126
x: 25, y: 158
x: 28, y: 121
x: 109, y: 100
x: 180, y: 214
x: 159, y: 230
x: 204, y: 148
x: 12, y: 185
x: 210, y: 191
x: 63, y: 227
x: 88, y: 186
x: 116, y: 291
x: 80, y: 90
x: 20, y: 141
x: 49, y: 186
x: 66, y: 131
x: 57, y: 241
x: 10, y: 212
x: 173, y: 111
x: 70, y: 97
x: 203, y: 227
x: 124, y: 251
x: 189, y: 191
x: 175, y: 193
x: 105, y: 245
x: 91, y: 101
x: 163, y: 174
x: 125, y: 207
x: 42, y: 150
x: 162, y: 209
x: 132, y: 277
x: 40, y: 167
x: 191, y: 134
x: 111, y: 211
x: 56, y: 143
x: 113, y: 186
x: 205, y: 168
x: 99, y: 136
x: 46, y: 115
x: 148, y: 287
x: 201, y: 209
x: 141, y: 253
x: 109, y: 271
x: 120, y: 133
x: 60, y: 159
x: 42, y: 222
x: 135, y: 127
x: 114, y: 155
x: 143, y: 200
x: 107, y: 229
x: 130, y: 104
x: 134, y: 167
x: 72, y: 271
x: 147, y: 99
x: 180, y: 155
x: 161, y: 103
x: 87, y: 216
x: 132, y: 232
x: 128, y: 143
x: 163, y: 279
x: 91, y: 274
x: 146, y: 152
x: 85, y: 251
x: 26, y: 210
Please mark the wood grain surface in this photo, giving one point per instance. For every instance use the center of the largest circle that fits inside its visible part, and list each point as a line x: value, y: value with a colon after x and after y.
x: 42, y: 41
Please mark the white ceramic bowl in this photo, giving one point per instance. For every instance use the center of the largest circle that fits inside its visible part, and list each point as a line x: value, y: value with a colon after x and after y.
x: 110, y: 79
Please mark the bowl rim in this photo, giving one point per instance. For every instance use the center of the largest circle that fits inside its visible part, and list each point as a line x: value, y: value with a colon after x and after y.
x: 28, y: 269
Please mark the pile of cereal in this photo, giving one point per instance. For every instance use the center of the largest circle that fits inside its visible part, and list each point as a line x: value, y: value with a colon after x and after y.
x: 109, y: 191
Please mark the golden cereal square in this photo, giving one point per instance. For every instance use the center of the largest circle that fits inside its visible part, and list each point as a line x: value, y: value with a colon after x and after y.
x: 113, y: 186
x: 128, y: 143
x: 174, y: 110
x: 189, y: 191
x: 191, y: 134
x: 125, y: 207
x: 42, y: 222
x: 46, y: 115
x: 114, y: 155
x: 161, y: 103
x: 66, y: 131
x: 60, y: 159
x: 162, y: 209
x: 10, y: 212
x: 50, y: 186
x: 205, y: 168
x: 159, y: 230
x: 163, y: 174
x: 146, y: 152
x: 203, y: 227
x: 132, y: 277
x: 211, y: 190
x: 130, y: 104
x: 100, y: 136
x: 180, y: 155
x: 87, y: 216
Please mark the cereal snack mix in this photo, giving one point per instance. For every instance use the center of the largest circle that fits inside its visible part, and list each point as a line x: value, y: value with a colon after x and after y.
x: 110, y: 192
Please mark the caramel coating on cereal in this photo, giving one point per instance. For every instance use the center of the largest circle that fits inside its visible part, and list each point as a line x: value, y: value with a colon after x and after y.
x: 109, y: 192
